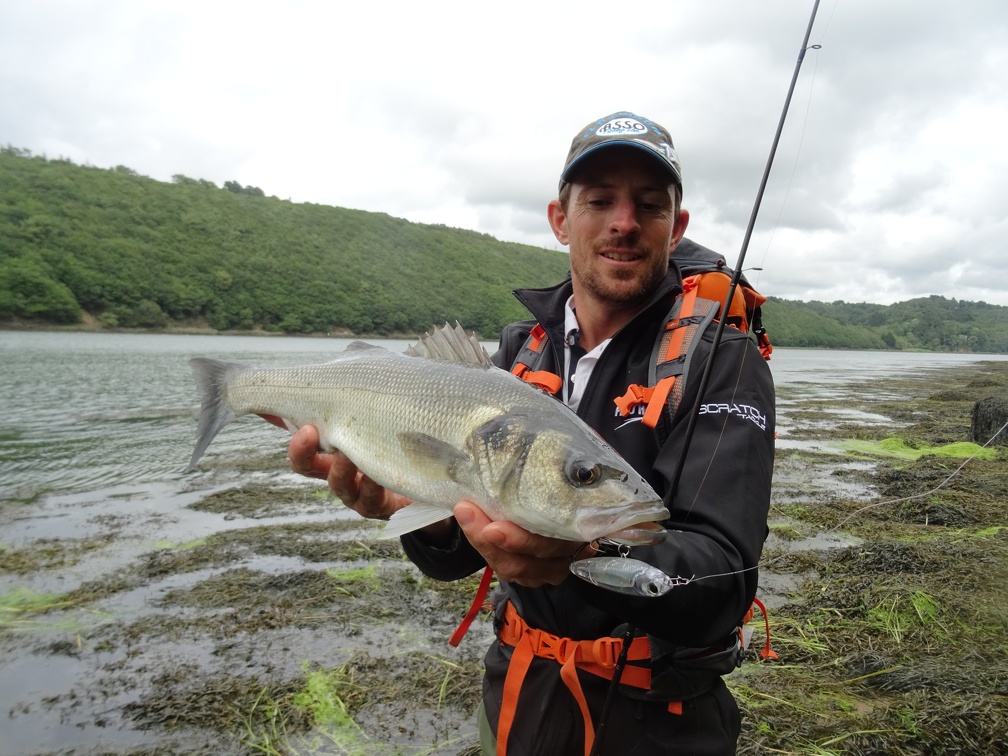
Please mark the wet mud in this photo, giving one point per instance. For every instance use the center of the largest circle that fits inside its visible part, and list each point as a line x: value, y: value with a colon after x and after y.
x: 275, y: 622
x: 892, y: 622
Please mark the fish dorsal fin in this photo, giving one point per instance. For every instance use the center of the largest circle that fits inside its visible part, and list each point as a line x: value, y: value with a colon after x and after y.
x: 356, y: 346
x: 451, y: 345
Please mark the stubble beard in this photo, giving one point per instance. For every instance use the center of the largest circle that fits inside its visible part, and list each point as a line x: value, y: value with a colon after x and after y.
x: 624, y: 288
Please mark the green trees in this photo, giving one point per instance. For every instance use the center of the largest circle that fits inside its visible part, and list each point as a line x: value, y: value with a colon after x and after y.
x: 133, y: 252
x: 28, y: 291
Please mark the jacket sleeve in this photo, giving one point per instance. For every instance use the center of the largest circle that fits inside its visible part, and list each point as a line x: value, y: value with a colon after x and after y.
x: 718, y: 519
x: 457, y: 558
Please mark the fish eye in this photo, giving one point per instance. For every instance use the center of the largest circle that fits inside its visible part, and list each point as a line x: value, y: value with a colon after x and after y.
x: 582, y: 474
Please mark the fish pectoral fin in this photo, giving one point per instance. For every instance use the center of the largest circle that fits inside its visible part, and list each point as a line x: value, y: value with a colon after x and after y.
x: 413, y: 517
x: 433, y: 457
x: 278, y: 421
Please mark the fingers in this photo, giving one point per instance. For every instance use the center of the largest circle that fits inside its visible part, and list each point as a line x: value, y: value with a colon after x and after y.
x: 304, y: 455
x: 347, y: 483
x: 515, y: 554
x: 343, y: 478
x: 359, y: 492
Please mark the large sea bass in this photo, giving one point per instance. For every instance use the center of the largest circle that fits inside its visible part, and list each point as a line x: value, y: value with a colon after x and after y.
x: 441, y: 423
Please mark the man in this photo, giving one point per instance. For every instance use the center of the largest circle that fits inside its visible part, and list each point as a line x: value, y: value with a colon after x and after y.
x: 619, y: 210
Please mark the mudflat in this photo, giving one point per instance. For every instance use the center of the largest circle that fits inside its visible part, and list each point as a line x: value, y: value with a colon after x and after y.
x: 290, y: 628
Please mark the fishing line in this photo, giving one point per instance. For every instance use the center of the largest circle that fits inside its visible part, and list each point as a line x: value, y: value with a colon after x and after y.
x: 705, y: 378
x: 839, y: 525
x: 737, y: 274
x: 914, y: 497
x: 794, y: 168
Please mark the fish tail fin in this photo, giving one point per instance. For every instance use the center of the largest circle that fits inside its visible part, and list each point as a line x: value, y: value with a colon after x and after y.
x: 211, y: 379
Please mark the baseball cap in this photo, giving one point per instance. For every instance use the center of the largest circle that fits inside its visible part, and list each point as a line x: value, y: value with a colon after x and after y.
x: 626, y: 129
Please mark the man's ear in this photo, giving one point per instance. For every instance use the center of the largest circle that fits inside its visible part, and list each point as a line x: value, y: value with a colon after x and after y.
x: 558, y: 221
x: 679, y: 229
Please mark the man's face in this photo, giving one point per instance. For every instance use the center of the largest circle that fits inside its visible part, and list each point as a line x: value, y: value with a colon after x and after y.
x: 621, y: 223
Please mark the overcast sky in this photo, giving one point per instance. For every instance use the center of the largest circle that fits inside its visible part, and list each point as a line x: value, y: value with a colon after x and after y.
x: 891, y: 181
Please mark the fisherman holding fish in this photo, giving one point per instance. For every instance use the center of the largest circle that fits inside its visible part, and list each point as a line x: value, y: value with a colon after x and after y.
x: 547, y: 676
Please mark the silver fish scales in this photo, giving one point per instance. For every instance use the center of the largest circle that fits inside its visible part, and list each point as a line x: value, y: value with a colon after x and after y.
x: 440, y: 424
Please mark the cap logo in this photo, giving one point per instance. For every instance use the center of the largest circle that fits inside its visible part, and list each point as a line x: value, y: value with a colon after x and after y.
x: 621, y: 127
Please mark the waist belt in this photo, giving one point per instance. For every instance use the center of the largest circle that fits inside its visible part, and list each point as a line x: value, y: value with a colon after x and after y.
x: 597, y: 657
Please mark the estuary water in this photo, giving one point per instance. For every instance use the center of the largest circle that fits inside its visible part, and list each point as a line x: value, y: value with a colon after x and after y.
x: 97, y: 434
x: 90, y: 411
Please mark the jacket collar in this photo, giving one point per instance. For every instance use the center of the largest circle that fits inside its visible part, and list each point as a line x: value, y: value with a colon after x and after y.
x: 547, y: 305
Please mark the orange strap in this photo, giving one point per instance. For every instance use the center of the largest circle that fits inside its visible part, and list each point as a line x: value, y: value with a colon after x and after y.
x: 542, y: 379
x: 654, y: 397
x: 547, y: 381
x: 659, y: 395
x: 686, y: 310
x: 597, y: 657
x: 477, y: 604
x: 536, y: 336
x: 766, y: 652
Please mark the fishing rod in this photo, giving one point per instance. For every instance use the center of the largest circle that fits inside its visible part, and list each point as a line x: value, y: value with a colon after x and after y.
x: 705, y: 377
x: 737, y: 273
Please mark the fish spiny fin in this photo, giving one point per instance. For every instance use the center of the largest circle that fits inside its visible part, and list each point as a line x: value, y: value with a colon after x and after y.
x: 451, y: 345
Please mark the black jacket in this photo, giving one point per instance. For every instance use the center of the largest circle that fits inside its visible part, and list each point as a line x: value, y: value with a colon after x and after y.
x: 718, y: 517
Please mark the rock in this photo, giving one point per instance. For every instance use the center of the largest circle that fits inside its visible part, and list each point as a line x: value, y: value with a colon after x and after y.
x: 989, y: 416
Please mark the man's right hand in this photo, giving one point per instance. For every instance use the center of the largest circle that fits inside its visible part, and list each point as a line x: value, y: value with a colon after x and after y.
x: 349, y: 484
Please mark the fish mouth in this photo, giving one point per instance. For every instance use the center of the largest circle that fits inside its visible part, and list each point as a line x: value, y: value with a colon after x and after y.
x: 622, y: 527
x: 642, y: 534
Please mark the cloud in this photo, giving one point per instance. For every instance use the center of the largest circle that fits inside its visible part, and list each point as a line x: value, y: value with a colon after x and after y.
x: 888, y: 181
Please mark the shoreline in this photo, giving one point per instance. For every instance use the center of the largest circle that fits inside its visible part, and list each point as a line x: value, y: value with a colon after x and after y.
x: 206, y: 331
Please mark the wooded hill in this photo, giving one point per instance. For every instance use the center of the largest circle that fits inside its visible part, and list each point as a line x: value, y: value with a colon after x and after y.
x: 114, y: 249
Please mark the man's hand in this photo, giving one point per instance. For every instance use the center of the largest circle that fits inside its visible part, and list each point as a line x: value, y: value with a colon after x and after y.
x: 349, y: 484
x: 515, y: 554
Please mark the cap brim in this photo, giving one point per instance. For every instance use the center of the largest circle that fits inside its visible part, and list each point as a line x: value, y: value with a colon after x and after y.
x: 579, y: 160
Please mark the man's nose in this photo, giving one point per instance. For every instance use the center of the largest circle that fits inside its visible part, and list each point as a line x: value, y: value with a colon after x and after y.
x: 624, y: 217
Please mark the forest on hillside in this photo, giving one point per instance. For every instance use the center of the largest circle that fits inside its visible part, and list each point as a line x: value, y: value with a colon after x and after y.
x: 129, y: 251
x: 108, y: 248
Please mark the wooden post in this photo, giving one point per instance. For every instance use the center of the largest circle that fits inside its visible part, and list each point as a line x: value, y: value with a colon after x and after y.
x: 988, y: 416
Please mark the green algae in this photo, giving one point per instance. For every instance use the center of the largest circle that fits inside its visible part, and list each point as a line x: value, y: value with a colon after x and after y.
x: 900, y: 448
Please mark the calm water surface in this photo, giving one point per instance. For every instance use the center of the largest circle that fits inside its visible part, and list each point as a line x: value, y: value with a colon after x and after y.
x: 85, y: 411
